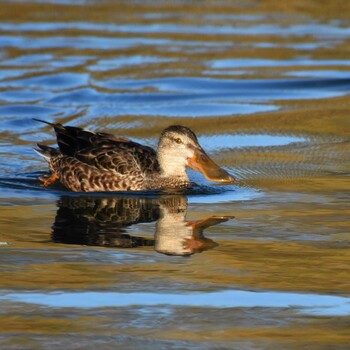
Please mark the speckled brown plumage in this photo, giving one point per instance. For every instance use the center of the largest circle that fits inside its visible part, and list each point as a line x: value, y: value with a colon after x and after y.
x: 87, y: 161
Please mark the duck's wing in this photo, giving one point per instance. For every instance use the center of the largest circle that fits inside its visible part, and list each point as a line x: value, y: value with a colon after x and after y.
x: 104, y: 151
x: 120, y: 157
x: 71, y: 139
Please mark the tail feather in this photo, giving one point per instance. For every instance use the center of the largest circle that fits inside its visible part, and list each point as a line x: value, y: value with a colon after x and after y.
x: 44, y: 121
x: 71, y: 139
x: 46, y: 152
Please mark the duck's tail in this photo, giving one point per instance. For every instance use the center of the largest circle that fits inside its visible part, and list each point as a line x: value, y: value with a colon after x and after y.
x: 71, y: 139
x: 46, y: 152
x: 44, y: 121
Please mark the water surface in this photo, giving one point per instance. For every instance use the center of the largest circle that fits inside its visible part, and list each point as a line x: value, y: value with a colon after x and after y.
x: 259, y: 265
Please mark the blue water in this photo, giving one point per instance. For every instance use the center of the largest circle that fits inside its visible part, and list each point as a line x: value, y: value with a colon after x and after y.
x: 308, y: 304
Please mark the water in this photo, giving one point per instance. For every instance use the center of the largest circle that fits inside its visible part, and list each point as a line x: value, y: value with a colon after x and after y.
x: 259, y: 265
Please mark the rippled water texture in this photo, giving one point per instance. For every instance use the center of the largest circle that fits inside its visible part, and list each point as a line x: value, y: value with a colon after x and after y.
x: 263, y: 264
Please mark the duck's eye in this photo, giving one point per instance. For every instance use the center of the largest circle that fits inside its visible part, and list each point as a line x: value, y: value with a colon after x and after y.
x: 178, y: 140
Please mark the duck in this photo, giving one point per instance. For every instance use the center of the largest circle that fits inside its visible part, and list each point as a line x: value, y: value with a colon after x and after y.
x: 88, y: 161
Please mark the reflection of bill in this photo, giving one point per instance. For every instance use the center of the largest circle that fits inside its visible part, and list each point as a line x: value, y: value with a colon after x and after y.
x: 176, y: 236
x: 102, y: 221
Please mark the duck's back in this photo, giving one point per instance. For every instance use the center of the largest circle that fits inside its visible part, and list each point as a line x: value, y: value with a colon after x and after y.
x: 88, y: 161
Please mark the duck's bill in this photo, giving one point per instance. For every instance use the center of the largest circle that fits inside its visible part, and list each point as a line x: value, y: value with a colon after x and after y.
x: 202, y: 163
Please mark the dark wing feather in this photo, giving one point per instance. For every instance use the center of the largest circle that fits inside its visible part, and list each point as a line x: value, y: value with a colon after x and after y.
x: 105, y: 151
x: 71, y: 139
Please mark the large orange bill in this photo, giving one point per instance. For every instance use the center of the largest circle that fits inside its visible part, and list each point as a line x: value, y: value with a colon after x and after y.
x: 202, y: 163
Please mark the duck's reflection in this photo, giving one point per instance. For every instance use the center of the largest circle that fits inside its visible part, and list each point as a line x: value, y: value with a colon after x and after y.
x: 102, y: 221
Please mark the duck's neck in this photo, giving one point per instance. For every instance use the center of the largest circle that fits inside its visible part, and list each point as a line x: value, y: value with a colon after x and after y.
x: 172, y: 167
x: 168, y: 177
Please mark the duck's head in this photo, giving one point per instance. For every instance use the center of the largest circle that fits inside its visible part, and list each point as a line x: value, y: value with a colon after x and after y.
x: 178, y: 148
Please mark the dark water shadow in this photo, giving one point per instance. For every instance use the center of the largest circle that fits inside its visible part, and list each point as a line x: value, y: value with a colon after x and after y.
x: 104, y: 220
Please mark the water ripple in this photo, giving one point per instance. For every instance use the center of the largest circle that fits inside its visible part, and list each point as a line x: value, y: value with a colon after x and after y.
x: 309, y: 304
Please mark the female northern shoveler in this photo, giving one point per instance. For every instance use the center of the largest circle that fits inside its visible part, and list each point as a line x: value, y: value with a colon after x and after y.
x: 88, y: 161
